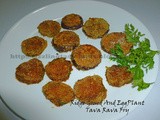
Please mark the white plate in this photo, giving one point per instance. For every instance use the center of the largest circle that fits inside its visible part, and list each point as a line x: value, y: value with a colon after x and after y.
x: 28, y: 102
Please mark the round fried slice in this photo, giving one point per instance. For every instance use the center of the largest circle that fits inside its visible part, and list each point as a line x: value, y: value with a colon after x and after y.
x: 118, y: 76
x: 58, y: 69
x: 90, y: 90
x: 33, y: 46
x: 109, y: 41
x: 72, y: 21
x: 30, y: 72
x: 95, y: 27
x: 86, y: 57
x: 49, y: 28
x: 58, y: 93
x: 66, y: 41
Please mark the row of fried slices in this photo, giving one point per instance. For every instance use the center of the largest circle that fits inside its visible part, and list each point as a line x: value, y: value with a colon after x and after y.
x: 90, y: 89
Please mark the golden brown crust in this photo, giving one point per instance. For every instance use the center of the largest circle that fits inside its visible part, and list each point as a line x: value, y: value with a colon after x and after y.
x: 30, y: 72
x: 58, y: 69
x: 95, y: 27
x: 109, y: 41
x: 90, y: 90
x: 72, y: 21
x: 118, y: 76
x: 66, y: 41
x: 86, y: 57
x: 49, y: 28
x: 58, y: 93
x: 33, y: 46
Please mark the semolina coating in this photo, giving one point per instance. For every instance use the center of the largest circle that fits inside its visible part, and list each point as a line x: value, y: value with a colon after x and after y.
x: 72, y: 21
x: 49, y: 28
x: 86, y: 57
x: 66, y: 41
x: 118, y: 76
x: 33, y: 46
x: 58, y: 93
x: 59, y: 69
x: 90, y: 90
x: 30, y: 72
x: 95, y: 27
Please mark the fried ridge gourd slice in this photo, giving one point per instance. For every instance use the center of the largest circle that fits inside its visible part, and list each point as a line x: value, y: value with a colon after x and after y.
x: 49, y: 28
x: 66, y: 41
x: 33, y: 46
x: 72, y: 21
x: 109, y: 41
x: 90, y: 90
x: 86, y: 57
x: 118, y: 76
x: 30, y: 72
x: 95, y: 27
x: 59, y: 69
x: 58, y: 93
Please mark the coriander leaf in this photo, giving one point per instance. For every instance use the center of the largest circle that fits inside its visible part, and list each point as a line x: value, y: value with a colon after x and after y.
x: 148, y: 63
x: 136, y: 56
x: 132, y: 34
x: 137, y: 72
x: 117, y: 50
x: 145, y: 45
x: 143, y: 86
x: 140, y: 84
x: 140, y: 58
x: 152, y: 53
x: 118, y: 55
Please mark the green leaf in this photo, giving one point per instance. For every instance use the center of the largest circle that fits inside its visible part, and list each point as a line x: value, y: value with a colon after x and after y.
x: 137, y: 72
x: 140, y: 84
x: 132, y: 34
x: 140, y: 58
x: 119, y: 56
x: 117, y: 50
x: 145, y: 45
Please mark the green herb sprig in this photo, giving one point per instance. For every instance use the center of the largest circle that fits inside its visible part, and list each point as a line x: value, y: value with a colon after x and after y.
x: 140, y: 58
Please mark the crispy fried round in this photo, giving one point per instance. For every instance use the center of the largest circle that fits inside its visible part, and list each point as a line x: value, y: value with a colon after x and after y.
x: 90, y: 90
x: 95, y: 27
x: 66, y: 41
x: 33, y: 46
x: 58, y: 93
x: 118, y: 76
x: 86, y: 57
x: 49, y: 28
x: 58, y: 69
x: 72, y: 21
x: 30, y: 72
x: 109, y: 41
